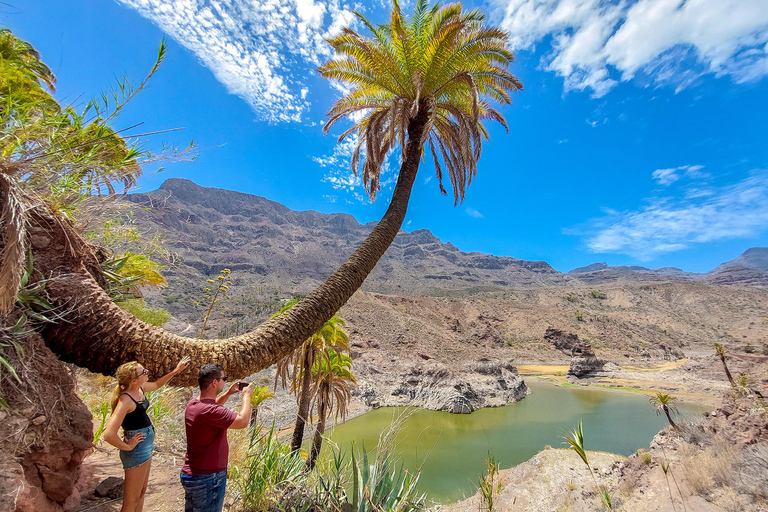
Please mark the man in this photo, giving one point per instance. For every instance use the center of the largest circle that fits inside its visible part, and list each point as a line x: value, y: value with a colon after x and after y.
x: 204, y: 474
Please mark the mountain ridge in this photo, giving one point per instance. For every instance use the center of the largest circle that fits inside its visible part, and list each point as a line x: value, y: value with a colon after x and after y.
x: 220, y: 228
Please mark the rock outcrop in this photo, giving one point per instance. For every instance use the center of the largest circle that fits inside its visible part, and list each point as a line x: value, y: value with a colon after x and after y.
x: 561, y: 340
x: 433, y: 385
x: 46, y: 434
x: 584, y: 362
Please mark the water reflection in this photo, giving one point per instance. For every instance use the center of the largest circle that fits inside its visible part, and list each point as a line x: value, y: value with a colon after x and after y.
x: 452, y: 449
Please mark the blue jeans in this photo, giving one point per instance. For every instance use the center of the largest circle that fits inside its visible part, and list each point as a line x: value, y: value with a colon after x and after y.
x: 204, y: 493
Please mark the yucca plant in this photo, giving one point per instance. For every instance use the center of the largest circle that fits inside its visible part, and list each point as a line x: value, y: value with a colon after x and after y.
x: 665, y: 403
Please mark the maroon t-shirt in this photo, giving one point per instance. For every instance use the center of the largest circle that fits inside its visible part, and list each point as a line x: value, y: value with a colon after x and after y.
x: 207, y: 447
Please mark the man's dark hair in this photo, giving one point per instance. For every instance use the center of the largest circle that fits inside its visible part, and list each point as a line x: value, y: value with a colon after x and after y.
x: 208, y: 373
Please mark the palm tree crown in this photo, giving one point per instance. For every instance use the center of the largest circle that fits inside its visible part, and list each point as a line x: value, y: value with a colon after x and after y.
x: 441, y: 60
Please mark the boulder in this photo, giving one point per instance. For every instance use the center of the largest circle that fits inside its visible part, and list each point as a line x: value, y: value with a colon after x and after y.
x: 111, y: 487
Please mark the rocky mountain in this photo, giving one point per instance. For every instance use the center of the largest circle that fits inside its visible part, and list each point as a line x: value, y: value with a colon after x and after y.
x: 755, y: 258
x: 264, y: 241
x: 213, y: 228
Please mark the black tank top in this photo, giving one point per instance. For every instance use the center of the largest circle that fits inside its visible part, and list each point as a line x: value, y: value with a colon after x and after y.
x: 137, y: 418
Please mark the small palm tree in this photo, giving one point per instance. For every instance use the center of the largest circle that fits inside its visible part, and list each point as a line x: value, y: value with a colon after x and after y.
x: 334, y: 377
x: 297, y: 367
x: 666, y: 403
x: 720, y: 351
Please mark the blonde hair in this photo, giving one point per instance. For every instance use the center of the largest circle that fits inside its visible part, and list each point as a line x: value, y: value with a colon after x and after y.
x: 124, y: 375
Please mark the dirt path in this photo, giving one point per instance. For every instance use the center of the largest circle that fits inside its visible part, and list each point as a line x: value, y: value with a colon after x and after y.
x: 164, y: 493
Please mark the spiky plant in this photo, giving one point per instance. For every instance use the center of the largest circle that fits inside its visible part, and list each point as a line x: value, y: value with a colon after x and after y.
x: 665, y: 403
x: 720, y: 351
x: 575, y: 439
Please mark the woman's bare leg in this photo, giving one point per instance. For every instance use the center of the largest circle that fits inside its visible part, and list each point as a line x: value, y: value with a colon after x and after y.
x: 140, y: 506
x: 135, y: 482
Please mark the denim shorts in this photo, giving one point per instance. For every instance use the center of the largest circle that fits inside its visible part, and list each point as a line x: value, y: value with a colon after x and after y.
x: 142, y: 452
x: 204, y: 493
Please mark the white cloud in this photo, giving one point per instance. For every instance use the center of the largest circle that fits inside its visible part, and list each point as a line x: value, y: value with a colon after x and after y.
x: 666, y: 224
x: 595, y: 44
x: 474, y: 213
x: 254, y: 46
x: 669, y: 176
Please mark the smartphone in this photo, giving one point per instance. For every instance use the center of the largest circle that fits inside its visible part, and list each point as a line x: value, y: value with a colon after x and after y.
x: 242, y: 385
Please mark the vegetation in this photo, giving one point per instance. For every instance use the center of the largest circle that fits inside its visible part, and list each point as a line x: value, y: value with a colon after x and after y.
x: 720, y: 351
x: 575, y: 439
x: 139, y: 309
x: 298, y: 366
x: 222, y: 282
x: 597, y: 295
x: 333, y: 376
x: 665, y: 403
x: 273, y: 477
x: 490, y: 485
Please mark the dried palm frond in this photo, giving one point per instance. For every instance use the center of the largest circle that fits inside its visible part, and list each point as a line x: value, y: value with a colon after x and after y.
x: 13, y: 233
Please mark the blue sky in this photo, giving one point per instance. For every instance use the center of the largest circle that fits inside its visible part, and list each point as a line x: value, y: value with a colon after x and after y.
x: 640, y: 136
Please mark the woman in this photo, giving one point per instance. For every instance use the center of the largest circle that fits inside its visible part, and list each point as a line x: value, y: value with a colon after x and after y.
x: 129, y: 410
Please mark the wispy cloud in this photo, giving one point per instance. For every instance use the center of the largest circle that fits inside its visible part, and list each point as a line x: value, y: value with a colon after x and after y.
x: 668, y: 224
x: 254, y: 46
x: 669, y: 176
x: 338, y: 171
x: 474, y: 213
x: 595, y: 44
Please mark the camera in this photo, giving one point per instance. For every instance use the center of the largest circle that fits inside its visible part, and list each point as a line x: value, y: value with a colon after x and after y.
x: 242, y: 385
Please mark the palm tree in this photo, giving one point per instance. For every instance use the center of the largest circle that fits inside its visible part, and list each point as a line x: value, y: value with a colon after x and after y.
x: 666, y: 403
x: 297, y: 367
x: 21, y: 55
x: 333, y: 394
x: 427, y: 79
x: 720, y: 351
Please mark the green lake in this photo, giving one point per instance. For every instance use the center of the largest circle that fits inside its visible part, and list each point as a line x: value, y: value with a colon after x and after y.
x: 452, y: 448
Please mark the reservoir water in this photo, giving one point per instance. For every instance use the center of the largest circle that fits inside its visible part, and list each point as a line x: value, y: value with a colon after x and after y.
x: 451, y: 449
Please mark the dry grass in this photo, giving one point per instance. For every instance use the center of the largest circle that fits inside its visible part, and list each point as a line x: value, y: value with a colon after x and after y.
x: 710, y: 468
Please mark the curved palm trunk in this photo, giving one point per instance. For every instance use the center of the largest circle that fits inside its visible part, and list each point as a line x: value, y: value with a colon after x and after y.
x: 100, y: 336
x: 727, y: 373
x: 317, y: 441
x: 301, y: 416
x: 669, y: 418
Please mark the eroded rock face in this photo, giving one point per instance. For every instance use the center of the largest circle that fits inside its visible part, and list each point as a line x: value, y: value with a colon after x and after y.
x: 561, y: 340
x: 584, y: 361
x: 433, y: 385
x: 45, y: 436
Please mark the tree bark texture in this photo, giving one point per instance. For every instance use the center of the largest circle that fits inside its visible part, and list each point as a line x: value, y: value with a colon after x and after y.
x: 317, y: 441
x: 99, y: 335
x: 669, y: 418
x: 304, y: 398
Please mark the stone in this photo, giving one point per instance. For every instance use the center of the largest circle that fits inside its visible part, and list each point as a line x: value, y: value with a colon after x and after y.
x: 111, y: 487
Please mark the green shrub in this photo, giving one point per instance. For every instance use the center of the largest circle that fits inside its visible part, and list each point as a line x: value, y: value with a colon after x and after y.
x: 579, y: 315
x: 597, y: 295
x: 139, y: 309
x: 571, y: 297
